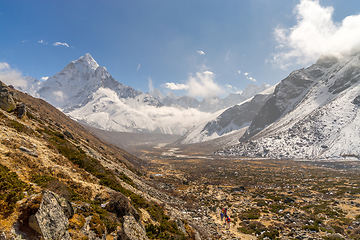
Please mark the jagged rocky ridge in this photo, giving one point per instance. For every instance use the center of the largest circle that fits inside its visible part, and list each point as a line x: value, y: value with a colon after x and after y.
x: 313, y: 113
x: 210, y: 103
x: 59, y: 181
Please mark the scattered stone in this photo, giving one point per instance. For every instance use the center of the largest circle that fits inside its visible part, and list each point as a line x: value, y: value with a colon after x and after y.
x: 28, y: 151
x: 68, y: 134
x: 238, y: 189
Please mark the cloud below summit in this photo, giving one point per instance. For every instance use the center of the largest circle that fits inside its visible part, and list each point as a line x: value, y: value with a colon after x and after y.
x: 315, y: 34
x: 199, y: 84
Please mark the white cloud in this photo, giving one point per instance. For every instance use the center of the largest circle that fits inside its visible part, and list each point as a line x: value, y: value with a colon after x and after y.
x: 42, y: 42
x: 200, y: 84
x: 4, y: 66
x: 59, y: 96
x: 251, y: 79
x: 11, y: 76
x: 247, y: 75
x: 138, y: 67
x: 176, y: 86
x: 44, y: 78
x: 60, y: 44
x: 201, y: 52
x: 239, y: 72
x: 316, y: 34
x: 151, y: 86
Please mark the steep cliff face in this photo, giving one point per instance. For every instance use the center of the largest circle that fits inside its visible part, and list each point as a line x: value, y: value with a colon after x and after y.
x: 59, y: 181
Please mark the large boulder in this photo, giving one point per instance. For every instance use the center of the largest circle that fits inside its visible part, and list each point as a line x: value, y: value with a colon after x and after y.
x: 6, y: 101
x: 50, y: 220
x: 132, y: 230
x: 120, y: 205
x: 21, y: 110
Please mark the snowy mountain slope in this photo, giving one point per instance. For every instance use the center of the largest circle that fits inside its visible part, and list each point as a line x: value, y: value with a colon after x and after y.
x: 227, y: 120
x: 316, y: 117
x: 88, y: 93
x: 32, y: 86
x: 106, y: 111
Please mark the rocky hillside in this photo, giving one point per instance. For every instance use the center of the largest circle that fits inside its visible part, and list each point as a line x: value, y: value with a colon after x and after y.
x: 58, y: 181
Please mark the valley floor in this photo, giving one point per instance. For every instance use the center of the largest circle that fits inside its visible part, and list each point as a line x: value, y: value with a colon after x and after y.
x: 265, y: 199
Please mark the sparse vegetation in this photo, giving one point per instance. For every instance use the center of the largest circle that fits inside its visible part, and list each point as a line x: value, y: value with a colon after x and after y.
x: 11, y: 190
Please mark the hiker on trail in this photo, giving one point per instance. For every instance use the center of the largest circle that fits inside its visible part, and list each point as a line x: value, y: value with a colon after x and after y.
x: 222, y: 215
x: 225, y: 213
x: 228, y: 221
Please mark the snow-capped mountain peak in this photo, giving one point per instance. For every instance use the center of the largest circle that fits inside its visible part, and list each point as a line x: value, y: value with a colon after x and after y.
x: 85, y: 64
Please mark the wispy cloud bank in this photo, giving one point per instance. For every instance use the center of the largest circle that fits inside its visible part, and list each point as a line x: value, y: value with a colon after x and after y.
x: 201, y: 52
x: 44, y: 78
x: 138, y: 67
x: 316, y: 34
x: 60, y: 44
x: 199, y: 84
x: 11, y: 76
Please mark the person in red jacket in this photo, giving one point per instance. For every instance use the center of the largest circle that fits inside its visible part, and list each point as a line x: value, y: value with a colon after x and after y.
x: 228, y: 221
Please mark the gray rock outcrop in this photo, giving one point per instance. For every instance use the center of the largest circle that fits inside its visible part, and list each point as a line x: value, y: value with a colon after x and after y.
x: 133, y: 230
x: 181, y: 227
x: 6, y: 101
x: 50, y: 220
x: 21, y: 110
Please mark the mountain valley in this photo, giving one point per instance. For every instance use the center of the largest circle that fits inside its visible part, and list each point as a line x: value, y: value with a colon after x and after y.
x: 98, y: 191
x: 284, y: 162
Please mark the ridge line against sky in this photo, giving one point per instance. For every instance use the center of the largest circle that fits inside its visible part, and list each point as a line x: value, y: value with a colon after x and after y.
x: 189, y: 47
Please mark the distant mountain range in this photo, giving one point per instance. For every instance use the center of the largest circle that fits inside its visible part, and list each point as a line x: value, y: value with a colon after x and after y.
x: 210, y: 103
x: 313, y: 113
x: 88, y: 93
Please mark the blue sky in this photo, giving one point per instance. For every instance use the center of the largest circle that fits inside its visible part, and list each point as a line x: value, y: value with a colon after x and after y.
x: 192, y: 47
